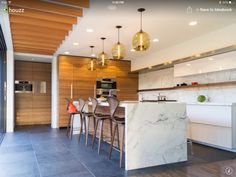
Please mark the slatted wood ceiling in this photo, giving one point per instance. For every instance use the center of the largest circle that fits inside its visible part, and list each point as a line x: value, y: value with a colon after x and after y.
x: 43, y: 25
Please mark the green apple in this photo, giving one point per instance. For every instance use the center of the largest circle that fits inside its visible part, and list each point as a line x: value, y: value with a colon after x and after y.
x: 201, y: 98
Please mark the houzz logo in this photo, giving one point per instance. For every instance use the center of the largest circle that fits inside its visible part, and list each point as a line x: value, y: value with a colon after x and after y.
x: 13, y: 10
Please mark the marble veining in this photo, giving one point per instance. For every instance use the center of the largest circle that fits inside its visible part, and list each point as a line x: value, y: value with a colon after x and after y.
x: 165, y: 78
x: 155, y: 134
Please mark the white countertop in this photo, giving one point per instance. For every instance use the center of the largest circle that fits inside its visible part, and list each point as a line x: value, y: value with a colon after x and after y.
x: 212, y: 104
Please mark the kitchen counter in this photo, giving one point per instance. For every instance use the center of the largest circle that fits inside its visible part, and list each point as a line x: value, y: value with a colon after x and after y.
x: 155, y: 134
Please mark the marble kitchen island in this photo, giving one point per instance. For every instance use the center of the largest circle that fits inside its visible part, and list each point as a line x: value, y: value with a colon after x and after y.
x: 155, y: 134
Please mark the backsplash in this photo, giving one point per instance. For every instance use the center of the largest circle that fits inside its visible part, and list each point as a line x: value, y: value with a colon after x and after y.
x: 165, y: 78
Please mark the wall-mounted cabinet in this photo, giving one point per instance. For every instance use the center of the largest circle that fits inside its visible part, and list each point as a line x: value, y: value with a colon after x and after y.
x: 76, y: 81
x: 215, y: 63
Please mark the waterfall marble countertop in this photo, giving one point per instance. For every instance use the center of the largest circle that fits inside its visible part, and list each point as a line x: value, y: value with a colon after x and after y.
x: 155, y: 134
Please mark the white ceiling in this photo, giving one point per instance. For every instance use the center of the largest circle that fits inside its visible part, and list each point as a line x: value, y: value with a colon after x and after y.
x: 166, y: 20
x: 33, y: 57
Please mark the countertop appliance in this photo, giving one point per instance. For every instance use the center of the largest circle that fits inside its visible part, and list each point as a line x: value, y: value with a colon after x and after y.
x: 105, y: 87
x: 23, y: 86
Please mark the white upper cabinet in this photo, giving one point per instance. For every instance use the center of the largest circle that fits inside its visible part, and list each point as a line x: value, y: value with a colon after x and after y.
x: 205, y: 65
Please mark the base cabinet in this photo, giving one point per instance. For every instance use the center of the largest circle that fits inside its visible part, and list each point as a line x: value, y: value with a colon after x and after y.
x: 212, y: 124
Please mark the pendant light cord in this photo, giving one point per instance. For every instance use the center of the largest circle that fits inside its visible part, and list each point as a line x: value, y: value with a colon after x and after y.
x: 103, y: 45
x: 118, y: 35
x: 141, y: 24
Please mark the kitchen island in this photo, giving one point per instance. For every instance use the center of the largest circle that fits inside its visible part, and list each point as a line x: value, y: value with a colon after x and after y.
x: 155, y: 133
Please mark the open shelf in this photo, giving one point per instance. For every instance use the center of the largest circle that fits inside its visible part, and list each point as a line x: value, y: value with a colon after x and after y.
x: 216, y: 84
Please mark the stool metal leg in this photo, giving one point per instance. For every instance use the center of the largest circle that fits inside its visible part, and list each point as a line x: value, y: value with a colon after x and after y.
x: 122, y: 143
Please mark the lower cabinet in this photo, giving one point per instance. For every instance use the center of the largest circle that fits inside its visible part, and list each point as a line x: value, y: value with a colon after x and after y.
x: 213, y: 124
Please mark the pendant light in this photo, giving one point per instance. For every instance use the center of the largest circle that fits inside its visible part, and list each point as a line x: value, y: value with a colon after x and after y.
x: 141, y: 40
x: 92, y: 62
x: 118, y: 50
x: 102, y: 57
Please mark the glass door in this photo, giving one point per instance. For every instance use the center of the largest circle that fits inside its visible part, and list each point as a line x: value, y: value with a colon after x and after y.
x: 2, y: 85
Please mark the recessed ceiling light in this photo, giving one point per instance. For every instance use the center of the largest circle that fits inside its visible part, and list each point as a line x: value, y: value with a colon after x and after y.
x: 188, y: 64
x: 210, y: 59
x: 89, y: 30
x: 93, y: 55
x: 67, y: 52
x: 132, y: 50
x: 192, y: 23
x: 112, y: 7
x: 75, y: 43
x: 155, y: 40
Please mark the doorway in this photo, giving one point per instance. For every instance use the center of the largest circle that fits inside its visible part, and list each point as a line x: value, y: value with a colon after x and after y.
x: 2, y: 85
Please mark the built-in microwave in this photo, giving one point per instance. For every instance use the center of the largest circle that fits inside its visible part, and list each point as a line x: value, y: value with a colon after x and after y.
x: 106, y: 83
x: 23, y: 87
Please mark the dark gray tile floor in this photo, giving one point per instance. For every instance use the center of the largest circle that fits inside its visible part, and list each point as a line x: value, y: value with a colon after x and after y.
x: 39, y: 151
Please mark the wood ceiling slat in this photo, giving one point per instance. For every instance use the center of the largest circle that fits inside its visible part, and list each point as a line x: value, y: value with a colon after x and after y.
x: 79, y: 3
x: 39, y: 40
x: 48, y: 7
x: 45, y: 16
x: 34, y: 51
x: 38, y: 22
x: 25, y: 36
x: 33, y: 47
x: 30, y: 43
x: 37, y: 29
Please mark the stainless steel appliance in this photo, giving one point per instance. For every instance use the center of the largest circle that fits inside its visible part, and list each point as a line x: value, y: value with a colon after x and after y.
x: 23, y: 87
x: 105, y: 87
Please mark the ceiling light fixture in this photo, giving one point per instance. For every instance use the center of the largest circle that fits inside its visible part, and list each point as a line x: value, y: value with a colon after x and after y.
x: 132, y: 50
x: 102, y: 57
x: 141, y: 40
x: 155, y: 40
x: 67, y: 52
x: 118, y: 50
x: 92, y: 62
x: 192, y: 23
x: 75, y: 43
x: 89, y: 30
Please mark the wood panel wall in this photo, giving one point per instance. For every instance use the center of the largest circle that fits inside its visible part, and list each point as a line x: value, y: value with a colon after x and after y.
x: 33, y: 108
x: 74, y: 71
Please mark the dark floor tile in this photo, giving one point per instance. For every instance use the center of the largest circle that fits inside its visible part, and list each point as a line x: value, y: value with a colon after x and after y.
x: 19, y: 169
x: 26, y: 157
x: 61, y: 168
x: 75, y: 174
x: 50, y: 157
x: 50, y: 146
x: 16, y: 149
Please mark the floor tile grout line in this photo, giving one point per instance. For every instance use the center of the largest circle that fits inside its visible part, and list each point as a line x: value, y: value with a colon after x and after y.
x: 80, y: 161
x: 40, y: 174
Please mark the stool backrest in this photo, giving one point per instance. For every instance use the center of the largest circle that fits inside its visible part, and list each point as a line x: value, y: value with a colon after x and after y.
x: 67, y: 103
x: 81, y: 104
x: 94, y: 104
x: 113, y: 105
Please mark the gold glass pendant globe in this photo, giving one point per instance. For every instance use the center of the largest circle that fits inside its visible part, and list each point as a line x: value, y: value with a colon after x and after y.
x: 92, y: 64
x: 118, y: 51
x: 141, y: 41
x: 102, y: 59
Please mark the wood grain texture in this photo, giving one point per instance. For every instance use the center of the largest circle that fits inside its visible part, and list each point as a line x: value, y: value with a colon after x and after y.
x: 48, y: 7
x: 73, y: 70
x: 33, y: 108
x: 79, y: 3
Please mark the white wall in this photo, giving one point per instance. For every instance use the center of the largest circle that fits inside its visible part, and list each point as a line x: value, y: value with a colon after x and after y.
x: 4, y: 21
x: 165, y: 78
x: 54, y: 115
x: 214, y: 40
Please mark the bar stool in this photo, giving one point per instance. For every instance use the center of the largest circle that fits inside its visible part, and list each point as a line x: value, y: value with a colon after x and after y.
x: 82, y: 120
x: 118, y: 122
x: 100, y: 118
x: 88, y: 115
x: 70, y: 124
